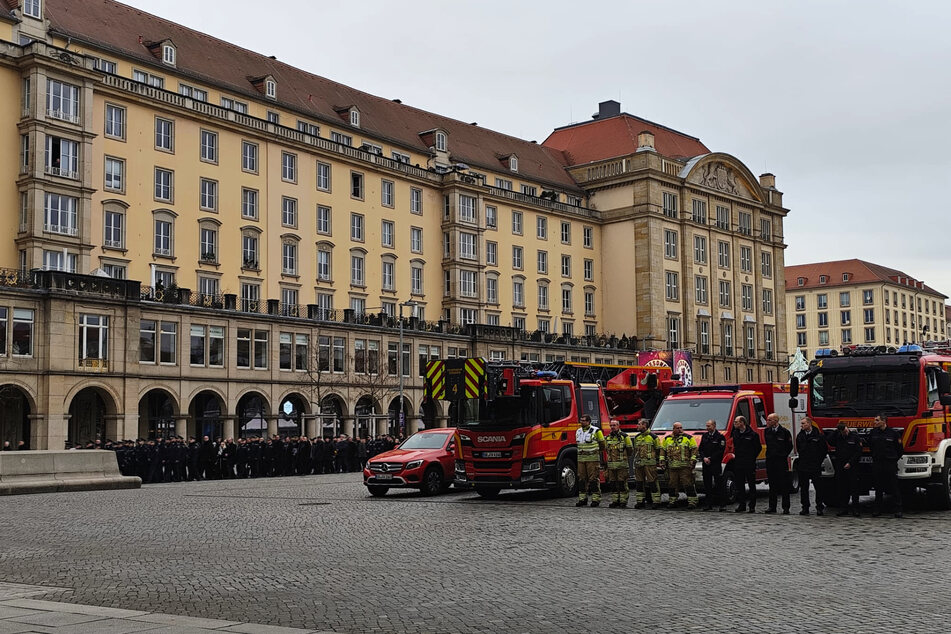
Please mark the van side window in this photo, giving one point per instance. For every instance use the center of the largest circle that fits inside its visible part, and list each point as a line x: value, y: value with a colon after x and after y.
x: 760, y: 411
x: 590, y: 405
x: 743, y: 409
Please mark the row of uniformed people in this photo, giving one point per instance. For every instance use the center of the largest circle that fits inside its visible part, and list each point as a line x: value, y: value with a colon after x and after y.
x: 679, y: 452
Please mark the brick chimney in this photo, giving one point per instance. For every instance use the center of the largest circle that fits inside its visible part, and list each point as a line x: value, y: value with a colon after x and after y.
x: 767, y: 181
x: 645, y: 141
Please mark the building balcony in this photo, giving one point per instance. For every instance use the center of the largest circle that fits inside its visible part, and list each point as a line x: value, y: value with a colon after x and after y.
x: 64, y: 230
x: 63, y: 115
x: 99, y: 365
x: 62, y: 172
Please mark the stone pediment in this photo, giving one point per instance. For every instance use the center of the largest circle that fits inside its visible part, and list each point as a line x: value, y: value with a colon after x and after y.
x: 722, y: 176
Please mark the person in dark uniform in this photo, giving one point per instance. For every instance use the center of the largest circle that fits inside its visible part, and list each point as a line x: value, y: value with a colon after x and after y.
x: 241, y: 458
x: 193, y: 458
x: 778, y: 447
x: 812, y: 448
x: 156, y: 457
x: 712, y: 446
x: 142, y: 460
x: 746, y: 448
x: 884, y: 443
x: 207, y: 455
x: 848, y: 450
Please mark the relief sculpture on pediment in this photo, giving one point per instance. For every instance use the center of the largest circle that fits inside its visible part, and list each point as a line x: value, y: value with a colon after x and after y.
x: 719, y: 176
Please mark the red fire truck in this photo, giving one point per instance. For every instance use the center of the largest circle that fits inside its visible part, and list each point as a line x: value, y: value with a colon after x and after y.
x: 515, y: 424
x: 694, y: 406
x: 911, y: 387
x: 632, y: 392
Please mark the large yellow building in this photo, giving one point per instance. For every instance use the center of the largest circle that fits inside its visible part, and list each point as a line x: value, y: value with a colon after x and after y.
x: 858, y: 303
x: 263, y: 216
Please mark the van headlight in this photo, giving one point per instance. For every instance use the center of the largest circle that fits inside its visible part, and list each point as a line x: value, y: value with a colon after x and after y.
x: 413, y: 464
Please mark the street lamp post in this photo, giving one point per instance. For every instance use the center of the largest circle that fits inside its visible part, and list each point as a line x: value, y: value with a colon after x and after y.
x: 411, y: 303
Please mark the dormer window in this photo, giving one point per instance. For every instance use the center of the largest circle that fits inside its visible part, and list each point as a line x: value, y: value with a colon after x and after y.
x: 32, y: 8
x: 823, y: 279
x: 270, y: 89
x: 801, y: 281
x: 513, y: 163
x: 441, y: 142
x: 168, y: 54
x: 845, y: 277
x: 355, y: 117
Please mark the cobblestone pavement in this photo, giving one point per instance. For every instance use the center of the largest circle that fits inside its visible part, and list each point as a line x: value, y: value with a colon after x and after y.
x: 318, y: 553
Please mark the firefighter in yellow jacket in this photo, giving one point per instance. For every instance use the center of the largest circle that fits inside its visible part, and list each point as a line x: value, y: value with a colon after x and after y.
x: 619, y: 449
x: 590, y: 443
x: 646, y: 455
x: 679, y: 451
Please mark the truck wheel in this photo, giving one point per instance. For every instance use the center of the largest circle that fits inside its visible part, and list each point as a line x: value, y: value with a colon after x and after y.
x: 432, y: 481
x: 489, y: 493
x: 729, y: 485
x: 939, y: 494
x: 377, y: 491
x: 566, y: 473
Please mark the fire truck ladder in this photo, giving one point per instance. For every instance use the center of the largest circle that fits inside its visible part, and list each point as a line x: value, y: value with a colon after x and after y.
x: 583, y: 372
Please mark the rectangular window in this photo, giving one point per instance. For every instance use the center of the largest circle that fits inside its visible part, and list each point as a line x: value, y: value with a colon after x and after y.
x: 703, y: 333
x: 503, y: 183
x: 670, y: 244
x: 249, y: 203
x: 767, y: 301
x: 491, y: 253
x: 670, y: 204
x: 566, y: 232
x: 356, y: 270
x: 208, y: 244
x: 386, y: 233
x: 699, y: 212
x: 323, y: 220
x: 62, y: 101
x: 751, y: 341
x: 164, y: 183
x: 541, y: 228
x: 467, y: 283
x: 249, y: 157
x: 288, y: 167
x: 114, y: 174
x: 491, y: 217
x: 728, y: 339
x: 671, y: 286
x: 766, y: 263
x: 746, y: 294
x: 195, y: 93
x: 673, y: 331
x: 846, y: 317
x: 566, y: 300
x: 588, y: 302
x: 233, y: 104
x: 746, y: 223
x: 197, y: 345
x: 250, y: 298
x: 342, y: 139
x: 800, y: 302
x: 518, y: 293
x: 147, y: 341
x: 209, y: 146
x: 846, y: 335
x: 356, y: 185
x: 168, y: 342
x: 867, y: 297
x: 273, y: 117
x: 416, y: 239
x: 529, y: 190
x: 288, y: 211
x: 416, y: 280
x: 801, y: 339
x: 822, y: 301
x: 869, y: 335
x: 163, y: 238
x: 208, y: 194
x: 765, y: 228
x: 148, y: 78
x: 723, y: 218
x: 164, y: 134
x: 386, y: 193
x: 723, y: 254
x: 114, y: 234
x: 869, y: 315
x: 845, y: 299
x: 517, y: 223
x: 492, y: 290
x: 356, y: 227
x: 22, y: 332
x: 467, y: 245
x: 388, y: 282
x: 61, y: 158
x: 59, y: 214
x: 801, y: 321
x: 589, y: 270
x: 323, y: 265
x: 746, y: 259
x: 542, y: 297
x: 588, y: 237
x: 467, y: 205
x: 416, y: 201
x: 517, y: 258
x: 700, y: 249
x: 289, y: 258
x: 566, y: 266
x: 700, y: 288
x: 323, y: 177
x: 725, y: 295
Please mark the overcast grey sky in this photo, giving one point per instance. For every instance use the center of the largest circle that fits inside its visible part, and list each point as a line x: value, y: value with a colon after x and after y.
x: 848, y: 103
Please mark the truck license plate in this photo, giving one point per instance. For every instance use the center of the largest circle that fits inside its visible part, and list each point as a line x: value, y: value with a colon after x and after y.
x: 491, y: 454
x: 384, y: 476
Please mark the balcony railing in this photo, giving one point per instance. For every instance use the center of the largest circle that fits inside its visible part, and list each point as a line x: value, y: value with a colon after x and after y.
x: 164, y: 251
x: 62, y: 172
x: 65, y: 230
x: 62, y: 115
x: 94, y: 364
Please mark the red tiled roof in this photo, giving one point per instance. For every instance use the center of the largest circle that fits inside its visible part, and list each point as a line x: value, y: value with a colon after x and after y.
x: 617, y: 136
x: 860, y: 272
x: 7, y: 6
x: 116, y: 26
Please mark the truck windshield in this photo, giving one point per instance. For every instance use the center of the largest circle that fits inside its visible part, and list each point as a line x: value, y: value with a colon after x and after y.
x: 892, y: 392
x: 505, y: 412
x: 692, y: 413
